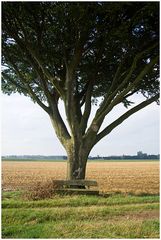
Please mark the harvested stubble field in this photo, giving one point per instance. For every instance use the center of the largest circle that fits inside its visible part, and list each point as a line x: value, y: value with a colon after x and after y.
x: 131, y: 177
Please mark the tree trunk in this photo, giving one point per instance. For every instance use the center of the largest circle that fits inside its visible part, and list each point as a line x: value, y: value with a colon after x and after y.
x: 77, y: 159
x: 77, y: 147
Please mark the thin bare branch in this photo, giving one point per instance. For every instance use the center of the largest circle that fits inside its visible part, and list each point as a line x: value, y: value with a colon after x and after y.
x: 118, y: 121
x: 35, y: 97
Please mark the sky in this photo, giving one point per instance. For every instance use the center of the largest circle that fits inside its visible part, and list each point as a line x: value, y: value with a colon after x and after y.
x: 27, y: 130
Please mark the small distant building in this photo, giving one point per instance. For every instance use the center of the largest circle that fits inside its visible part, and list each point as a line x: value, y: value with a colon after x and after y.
x: 140, y: 154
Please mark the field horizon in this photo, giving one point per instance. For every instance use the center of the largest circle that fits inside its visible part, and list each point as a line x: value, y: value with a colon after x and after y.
x: 89, y: 160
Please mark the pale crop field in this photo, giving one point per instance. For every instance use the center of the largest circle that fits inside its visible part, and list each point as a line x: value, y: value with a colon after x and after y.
x: 125, y: 177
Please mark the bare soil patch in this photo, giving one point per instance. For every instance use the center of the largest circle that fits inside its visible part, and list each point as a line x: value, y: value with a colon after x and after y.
x: 123, y: 177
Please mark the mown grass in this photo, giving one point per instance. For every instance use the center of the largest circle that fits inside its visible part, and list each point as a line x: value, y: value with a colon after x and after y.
x: 116, y: 216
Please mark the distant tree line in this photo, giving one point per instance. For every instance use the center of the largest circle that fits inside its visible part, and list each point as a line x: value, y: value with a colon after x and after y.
x: 139, y: 156
x: 35, y: 157
x: 126, y: 157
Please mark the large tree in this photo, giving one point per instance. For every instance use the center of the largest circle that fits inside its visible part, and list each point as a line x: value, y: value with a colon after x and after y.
x: 82, y: 53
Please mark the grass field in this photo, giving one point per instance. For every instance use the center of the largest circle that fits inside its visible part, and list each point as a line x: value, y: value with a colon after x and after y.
x: 127, y: 208
x: 118, y: 216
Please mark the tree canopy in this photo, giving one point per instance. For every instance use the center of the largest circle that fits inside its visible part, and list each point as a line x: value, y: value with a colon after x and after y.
x: 96, y: 39
x: 77, y: 52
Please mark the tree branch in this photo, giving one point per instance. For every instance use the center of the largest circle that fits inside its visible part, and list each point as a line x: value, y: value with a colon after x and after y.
x: 26, y: 89
x: 25, y: 46
x: 102, y: 112
x: 31, y: 92
x: 112, y: 91
x: 45, y: 71
x: 59, y: 126
x: 70, y: 85
x: 87, y: 109
x: 118, y: 121
x: 34, y: 96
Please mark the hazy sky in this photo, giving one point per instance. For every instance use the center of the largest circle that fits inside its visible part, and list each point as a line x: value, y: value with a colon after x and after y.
x: 26, y: 129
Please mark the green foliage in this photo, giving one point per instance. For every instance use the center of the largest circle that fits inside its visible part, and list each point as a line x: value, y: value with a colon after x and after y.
x: 46, y: 36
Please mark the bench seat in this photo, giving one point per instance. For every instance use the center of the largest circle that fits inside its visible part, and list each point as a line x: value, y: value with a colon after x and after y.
x: 72, y: 187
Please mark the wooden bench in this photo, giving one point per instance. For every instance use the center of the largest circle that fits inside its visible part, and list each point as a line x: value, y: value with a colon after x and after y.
x: 76, y: 186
